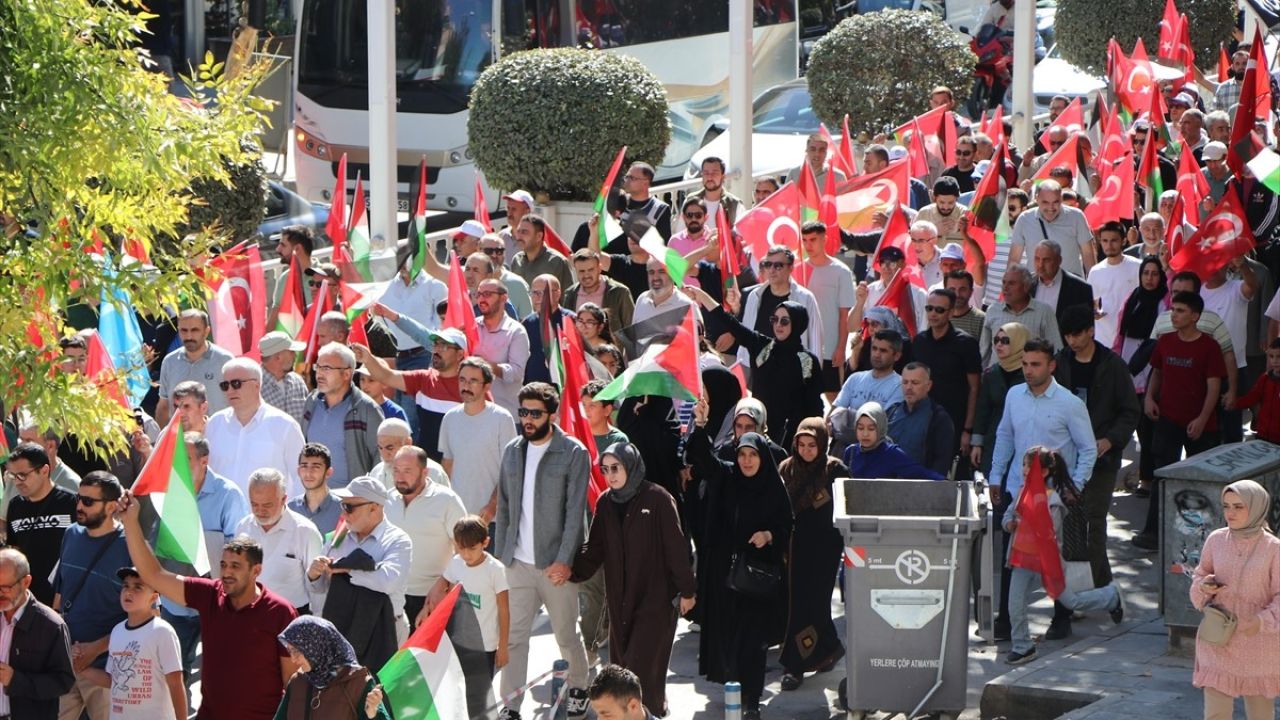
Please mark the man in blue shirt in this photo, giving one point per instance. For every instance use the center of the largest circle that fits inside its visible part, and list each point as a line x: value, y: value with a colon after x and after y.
x: 87, y: 591
x: 921, y: 427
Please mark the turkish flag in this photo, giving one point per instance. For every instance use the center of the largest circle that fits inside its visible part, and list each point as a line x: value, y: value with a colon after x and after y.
x: 897, y: 297
x: 857, y: 200
x: 937, y: 130
x: 336, y: 226
x: 1255, y: 104
x: 1115, y: 141
x: 897, y: 234
x: 1192, y: 185
x: 1073, y: 115
x: 101, y: 371
x: 460, y: 314
x: 836, y: 155
x: 1132, y: 78
x: 828, y: 215
x: 773, y: 221
x: 1114, y: 200
x: 1222, y: 237
x: 239, y: 305
x: 1035, y: 544
x: 1175, y: 236
x: 482, y: 206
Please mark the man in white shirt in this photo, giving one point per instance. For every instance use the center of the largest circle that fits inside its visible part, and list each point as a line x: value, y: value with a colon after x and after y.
x: 661, y: 295
x: 289, y: 541
x: 250, y: 434
x: 472, y: 437
x: 778, y: 286
x: 427, y: 511
x: 1229, y: 298
x: 1113, y: 280
x: 832, y: 284
x: 1051, y: 220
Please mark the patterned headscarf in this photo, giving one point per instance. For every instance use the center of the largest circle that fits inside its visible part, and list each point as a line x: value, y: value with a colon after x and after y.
x: 322, y: 645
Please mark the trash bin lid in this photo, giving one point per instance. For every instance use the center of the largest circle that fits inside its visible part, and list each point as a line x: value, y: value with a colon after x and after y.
x: 1226, y: 463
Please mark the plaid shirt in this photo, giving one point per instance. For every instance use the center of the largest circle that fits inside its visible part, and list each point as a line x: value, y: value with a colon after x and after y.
x: 1227, y: 95
x: 289, y: 394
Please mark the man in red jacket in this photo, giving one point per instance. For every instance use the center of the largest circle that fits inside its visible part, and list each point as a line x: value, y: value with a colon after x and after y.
x: 1266, y: 391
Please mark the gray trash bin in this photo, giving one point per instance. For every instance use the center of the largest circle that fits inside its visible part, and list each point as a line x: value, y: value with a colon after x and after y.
x: 907, y: 556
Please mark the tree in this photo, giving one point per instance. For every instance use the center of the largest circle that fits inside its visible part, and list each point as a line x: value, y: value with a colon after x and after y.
x: 97, y: 151
x: 880, y: 68
x: 1083, y: 28
x: 552, y: 120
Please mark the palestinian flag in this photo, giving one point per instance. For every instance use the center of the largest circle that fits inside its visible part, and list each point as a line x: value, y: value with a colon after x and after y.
x: 293, y: 305
x: 608, y: 228
x: 1149, y: 174
x: 4, y: 454
x: 666, y: 369
x: 1266, y: 167
x: 729, y: 268
x: 336, y: 226
x: 424, y: 679
x: 166, y: 479
x: 675, y: 263
x: 550, y: 332
x: 310, y: 327
x: 418, y: 229
x: 358, y: 235
x: 988, y: 205
x: 355, y: 306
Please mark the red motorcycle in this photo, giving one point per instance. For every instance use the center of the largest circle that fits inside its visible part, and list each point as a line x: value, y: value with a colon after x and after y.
x: 994, y: 50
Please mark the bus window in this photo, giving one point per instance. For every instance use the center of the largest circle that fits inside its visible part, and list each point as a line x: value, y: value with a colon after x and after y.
x: 619, y: 23
x: 528, y: 24
x: 773, y: 12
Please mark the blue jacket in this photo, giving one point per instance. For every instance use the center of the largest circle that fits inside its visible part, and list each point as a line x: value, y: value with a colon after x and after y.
x: 885, y: 461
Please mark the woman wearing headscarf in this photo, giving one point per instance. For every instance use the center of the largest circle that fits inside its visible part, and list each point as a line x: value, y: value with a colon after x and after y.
x: 874, y: 455
x: 1239, y: 572
x: 784, y: 376
x: 329, y: 683
x: 1134, y: 344
x: 749, y: 415
x: 636, y: 538
x: 876, y: 318
x: 1008, y: 342
x: 749, y: 518
x: 810, y: 643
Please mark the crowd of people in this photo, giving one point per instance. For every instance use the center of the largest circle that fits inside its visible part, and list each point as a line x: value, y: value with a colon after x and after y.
x: 343, y: 499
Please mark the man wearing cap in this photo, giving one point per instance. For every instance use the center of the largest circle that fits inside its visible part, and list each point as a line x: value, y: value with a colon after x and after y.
x: 642, y: 210
x: 427, y: 512
x: 1216, y: 172
x: 519, y: 203
x: 289, y: 541
x: 712, y: 193
x: 435, y: 389
x: 251, y: 434
x: 35, y: 659
x: 892, y: 261
x: 394, y: 434
x: 466, y: 240
x: 198, y: 359
x: 535, y: 258
x: 363, y: 567
x: 503, y: 343
x: 517, y: 289
x: 87, y: 593
x: 340, y: 417
x: 282, y: 388
x: 1051, y: 220
x: 1227, y: 95
x: 415, y: 298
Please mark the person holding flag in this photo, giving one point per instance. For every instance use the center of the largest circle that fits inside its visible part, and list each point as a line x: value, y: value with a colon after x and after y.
x: 832, y: 286
x: 1036, y: 553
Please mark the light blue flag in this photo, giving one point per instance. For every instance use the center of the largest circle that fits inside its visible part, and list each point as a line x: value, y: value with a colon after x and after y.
x: 118, y: 326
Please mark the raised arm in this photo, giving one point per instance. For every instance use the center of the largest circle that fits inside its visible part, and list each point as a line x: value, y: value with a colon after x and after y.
x: 378, y: 368
x: 166, y: 583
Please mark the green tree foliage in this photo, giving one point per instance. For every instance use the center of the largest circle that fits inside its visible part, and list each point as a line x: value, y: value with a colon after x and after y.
x: 96, y: 149
x: 1084, y: 27
x: 552, y: 120
x: 880, y: 67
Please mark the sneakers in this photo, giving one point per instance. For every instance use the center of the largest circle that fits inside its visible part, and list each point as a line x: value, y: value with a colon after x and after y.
x: 1017, y: 658
x: 791, y: 681
x: 576, y: 705
x: 507, y: 713
x: 1117, y: 613
x: 1058, y: 630
x: 1146, y: 541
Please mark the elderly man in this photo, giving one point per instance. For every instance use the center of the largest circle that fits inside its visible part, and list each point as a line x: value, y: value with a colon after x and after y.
x: 36, y: 662
x: 518, y: 203
x: 1191, y: 128
x: 197, y: 359
x: 546, y: 299
x: 282, y: 388
x: 363, y: 574
x: 427, y: 511
x: 341, y: 417
x: 924, y: 240
x: 504, y: 343
x: 605, y: 292
x: 1051, y: 220
x: 1151, y: 232
x: 1056, y: 287
x: 251, y: 434
x: 1018, y: 306
x: 661, y: 296
x: 288, y: 540
x: 535, y: 258
x: 394, y: 434
x: 517, y: 289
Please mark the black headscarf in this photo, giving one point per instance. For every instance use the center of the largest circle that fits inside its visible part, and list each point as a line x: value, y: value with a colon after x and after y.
x: 1143, y: 306
x: 629, y: 457
x: 768, y: 468
x: 723, y: 393
x: 799, y: 323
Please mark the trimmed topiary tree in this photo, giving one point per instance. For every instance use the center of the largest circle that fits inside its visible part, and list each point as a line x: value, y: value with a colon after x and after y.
x: 237, y: 206
x: 552, y: 120
x: 1083, y: 28
x: 880, y: 67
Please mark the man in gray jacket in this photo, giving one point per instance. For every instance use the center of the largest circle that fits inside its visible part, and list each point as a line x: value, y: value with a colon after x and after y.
x: 341, y: 417
x: 542, y: 496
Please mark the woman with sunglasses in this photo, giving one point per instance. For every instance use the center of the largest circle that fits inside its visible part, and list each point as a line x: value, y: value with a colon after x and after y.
x: 784, y: 376
x: 636, y: 539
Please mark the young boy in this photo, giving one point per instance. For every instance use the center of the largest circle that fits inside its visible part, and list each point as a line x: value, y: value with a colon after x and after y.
x: 1266, y: 391
x: 145, y: 670
x: 484, y: 586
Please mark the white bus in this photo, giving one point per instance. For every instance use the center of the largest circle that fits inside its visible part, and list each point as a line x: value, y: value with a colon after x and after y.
x: 443, y: 45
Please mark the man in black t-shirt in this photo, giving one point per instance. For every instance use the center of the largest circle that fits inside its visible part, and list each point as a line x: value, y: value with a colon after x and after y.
x: 38, y: 517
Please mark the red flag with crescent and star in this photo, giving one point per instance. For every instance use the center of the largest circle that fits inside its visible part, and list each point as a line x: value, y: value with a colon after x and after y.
x: 238, y: 309
x: 1223, y: 236
x: 858, y: 199
x: 774, y: 221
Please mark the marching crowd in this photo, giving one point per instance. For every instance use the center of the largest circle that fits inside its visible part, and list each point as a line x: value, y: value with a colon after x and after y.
x: 340, y: 501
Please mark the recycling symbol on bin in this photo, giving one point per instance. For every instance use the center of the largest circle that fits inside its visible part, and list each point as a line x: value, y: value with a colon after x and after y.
x: 912, y: 567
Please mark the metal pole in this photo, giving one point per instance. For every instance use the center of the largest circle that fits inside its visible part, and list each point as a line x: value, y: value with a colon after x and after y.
x: 1024, y: 62
x: 740, y: 96
x: 382, y: 124
x: 193, y: 46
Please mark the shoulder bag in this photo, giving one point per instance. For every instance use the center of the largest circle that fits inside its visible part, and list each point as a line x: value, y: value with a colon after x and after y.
x: 102, y: 550
x: 751, y: 574
x: 1218, y: 625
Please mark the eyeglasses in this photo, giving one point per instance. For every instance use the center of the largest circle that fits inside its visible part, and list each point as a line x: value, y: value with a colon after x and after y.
x: 589, y: 322
x: 963, y: 153
x: 489, y: 293
x: 350, y: 508
x: 695, y: 216
x: 1003, y: 341
x: 531, y: 413
x: 11, y: 587
x: 14, y: 476
x: 780, y: 320
x: 330, y: 368
x: 87, y: 501
x: 921, y: 240
x: 235, y: 384
x: 629, y: 178
x: 936, y: 309
x: 494, y: 251
x: 610, y: 469
x: 770, y: 264
x: 316, y: 283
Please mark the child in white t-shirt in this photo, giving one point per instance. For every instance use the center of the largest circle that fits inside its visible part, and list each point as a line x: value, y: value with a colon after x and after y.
x: 144, y: 672
x: 484, y: 587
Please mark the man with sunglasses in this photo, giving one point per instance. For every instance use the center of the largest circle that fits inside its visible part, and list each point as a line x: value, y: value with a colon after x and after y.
x: 955, y: 366
x: 642, y: 210
x: 252, y: 434
x: 962, y: 171
x: 542, y: 498
x: 694, y: 236
x: 198, y: 359
x: 776, y: 287
x: 39, y: 516
x: 494, y: 248
x: 87, y: 591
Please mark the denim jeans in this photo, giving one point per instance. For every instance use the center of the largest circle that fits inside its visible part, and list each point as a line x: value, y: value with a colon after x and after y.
x: 1024, y: 582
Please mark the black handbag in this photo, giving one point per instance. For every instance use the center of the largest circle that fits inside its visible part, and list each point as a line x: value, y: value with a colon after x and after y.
x: 754, y: 576
x: 1075, y: 524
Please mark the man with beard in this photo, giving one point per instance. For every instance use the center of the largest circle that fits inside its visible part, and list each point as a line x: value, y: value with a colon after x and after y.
x: 427, y: 512
x: 41, y: 653
x: 661, y: 295
x: 1112, y: 280
x: 394, y: 434
x: 341, y: 417
x: 519, y: 203
x: 87, y: 591
x: 593, y: 287
x: 434, y: 389
x: 472, y: 437
x: 197, y: 359
x: 504, y: 343
x: 712, y: 193
x: 244, y: 668
x: 1227, y: 95
x: 545, y: 291
x: 288, y: 540
x: 39, y: 516
x: 947, y: 214
x: 962, y: 171
x: 535, y: 258
x: 1051, y: 220
x: 542, y: 495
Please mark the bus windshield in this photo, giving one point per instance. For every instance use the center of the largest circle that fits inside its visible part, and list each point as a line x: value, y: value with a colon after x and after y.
x: 441, y: 48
